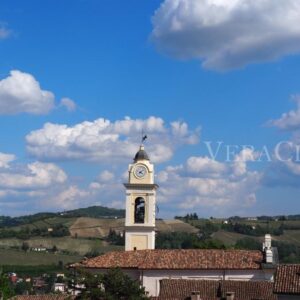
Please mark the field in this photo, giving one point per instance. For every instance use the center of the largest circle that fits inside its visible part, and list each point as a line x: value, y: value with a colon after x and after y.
x: 91, y: 227
x: 174, y: 225
x: 69, y: 244
x: 86, y: 234
x: 228, y: 238
x: 289, y: 236
x: 46, y: 223
x: 16, y: 257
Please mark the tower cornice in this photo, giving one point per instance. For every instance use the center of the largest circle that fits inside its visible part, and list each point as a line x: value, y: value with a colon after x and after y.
x: 141, y: 186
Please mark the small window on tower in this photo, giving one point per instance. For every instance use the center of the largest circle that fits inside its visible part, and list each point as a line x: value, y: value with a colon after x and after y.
x: 139, y: 210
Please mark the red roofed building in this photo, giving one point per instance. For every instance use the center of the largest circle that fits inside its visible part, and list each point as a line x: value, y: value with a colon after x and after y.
x: 287, y: 282
x: 152, y: 266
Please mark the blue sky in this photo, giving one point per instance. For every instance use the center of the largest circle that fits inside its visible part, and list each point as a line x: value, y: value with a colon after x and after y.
x: 184, y: 71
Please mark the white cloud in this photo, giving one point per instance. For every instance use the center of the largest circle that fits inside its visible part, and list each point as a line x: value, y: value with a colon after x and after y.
x: 69, y: 198
x: 33, y: 176
x: 289, y: 120
x: 205, y: 185
x: 5, y: 159
x: 227, y: 34
x: 240, y: 162
x: 106, y: 141
x: 23, y: 187
x: 106, y: 176
x: 68, y: 103
x: 205, y: 166
x: 21, y: 93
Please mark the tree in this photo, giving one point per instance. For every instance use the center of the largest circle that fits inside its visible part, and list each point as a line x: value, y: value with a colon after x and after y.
x: 6, y: 290
x: 22, y: 288
x: 25, y: 246
x: 248, y: 243
x: 113, y: 285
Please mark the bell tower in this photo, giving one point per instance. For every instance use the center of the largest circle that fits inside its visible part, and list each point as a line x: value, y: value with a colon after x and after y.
x: 140, y: 203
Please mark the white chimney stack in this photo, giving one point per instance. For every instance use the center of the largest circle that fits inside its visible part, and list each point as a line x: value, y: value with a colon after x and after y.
x: 195, y: 296
x: 230, y: 296
x: 267, y: 248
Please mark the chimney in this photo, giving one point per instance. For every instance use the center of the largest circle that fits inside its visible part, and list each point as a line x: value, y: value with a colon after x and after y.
x: 230, y: 296
x: 195, y: 295
x: 267, y: 248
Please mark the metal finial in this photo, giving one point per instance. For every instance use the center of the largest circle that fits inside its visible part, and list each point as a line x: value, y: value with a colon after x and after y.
x: 144, y: 137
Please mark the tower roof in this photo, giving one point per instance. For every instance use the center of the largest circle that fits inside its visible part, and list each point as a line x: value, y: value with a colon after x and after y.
x: 141, y: 154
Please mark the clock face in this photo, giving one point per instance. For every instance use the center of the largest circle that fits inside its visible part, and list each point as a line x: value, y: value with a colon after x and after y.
x: 140, y: 171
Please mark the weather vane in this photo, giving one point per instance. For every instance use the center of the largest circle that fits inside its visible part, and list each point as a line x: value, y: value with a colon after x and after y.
x: 144, y: 137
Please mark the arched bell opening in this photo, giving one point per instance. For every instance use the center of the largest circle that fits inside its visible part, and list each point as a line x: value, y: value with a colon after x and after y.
x: 139, y: 210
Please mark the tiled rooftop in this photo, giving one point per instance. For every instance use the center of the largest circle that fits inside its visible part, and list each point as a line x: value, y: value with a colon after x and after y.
x: 43, y: 297
x: 177, y: 259
x: 287, y: 280
x: 213, y: 290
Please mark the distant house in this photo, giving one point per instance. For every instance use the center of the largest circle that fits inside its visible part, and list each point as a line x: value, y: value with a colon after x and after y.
x: 60, y: 287
x: 252, y: 219
x: 62, y: 275
x: 39, y: 249
x: 76, y: 290
x: 13, y: 277
x: 287, y: 282
x: 39, y: 284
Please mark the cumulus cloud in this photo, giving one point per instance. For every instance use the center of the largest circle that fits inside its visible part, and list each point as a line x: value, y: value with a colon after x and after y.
x: 106, y: 141
x: 106, y: 176
x: 23, y: 185
x: 289, y: 120
x: 284, y: 169
x: 205, y: 184
x: 227, y: 34
x: 20, y: 92
x: 69, y: 198
x: 5, y: 159
x: 33, y: 176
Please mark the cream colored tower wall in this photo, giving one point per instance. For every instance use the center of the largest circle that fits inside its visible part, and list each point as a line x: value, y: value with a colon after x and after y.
x: 150, y: 206
x: 140, y: 236
x: 139, y: 240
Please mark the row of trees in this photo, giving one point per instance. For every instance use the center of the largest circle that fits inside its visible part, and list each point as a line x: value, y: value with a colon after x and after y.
x: 58, y: 230
x: 256, y: 230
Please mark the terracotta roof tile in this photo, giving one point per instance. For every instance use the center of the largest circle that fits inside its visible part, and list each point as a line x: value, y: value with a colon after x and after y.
x: 287, y: 280
x: 177, y: 259
x: 248, y: 290
x: 212, y: 290
x: 43, y: 297
x: 182, y: 289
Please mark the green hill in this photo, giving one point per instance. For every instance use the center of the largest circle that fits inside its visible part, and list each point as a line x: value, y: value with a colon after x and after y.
x: 92, y: 212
